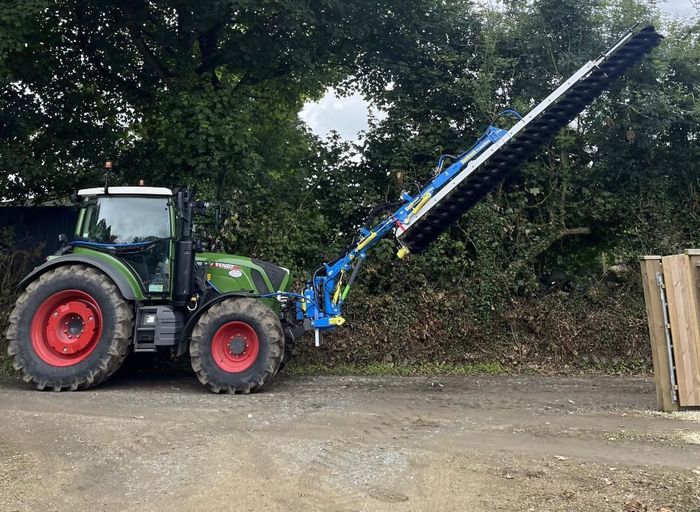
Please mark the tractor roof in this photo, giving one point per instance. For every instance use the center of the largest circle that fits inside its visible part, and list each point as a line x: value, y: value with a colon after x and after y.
x: 130, y: 191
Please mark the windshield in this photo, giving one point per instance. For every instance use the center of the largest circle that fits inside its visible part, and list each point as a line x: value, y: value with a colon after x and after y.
x: 125, y: 220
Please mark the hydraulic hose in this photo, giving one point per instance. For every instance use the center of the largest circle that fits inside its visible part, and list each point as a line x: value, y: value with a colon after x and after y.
x: 353, y: 278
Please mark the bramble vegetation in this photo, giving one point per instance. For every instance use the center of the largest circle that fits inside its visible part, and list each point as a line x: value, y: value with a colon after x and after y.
x: 208, y: 93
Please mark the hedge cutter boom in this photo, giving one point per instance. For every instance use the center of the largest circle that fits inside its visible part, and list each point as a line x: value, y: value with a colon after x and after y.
x: 456, y: 189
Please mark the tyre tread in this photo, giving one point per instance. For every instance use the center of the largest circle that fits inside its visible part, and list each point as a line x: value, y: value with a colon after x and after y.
x: 271, y: 327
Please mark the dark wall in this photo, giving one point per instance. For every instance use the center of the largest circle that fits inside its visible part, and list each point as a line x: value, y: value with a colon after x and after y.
x: 36, y: 225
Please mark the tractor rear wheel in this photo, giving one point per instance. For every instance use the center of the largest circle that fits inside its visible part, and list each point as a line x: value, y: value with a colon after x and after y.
x: 237, y: 346
x: 70, y: 329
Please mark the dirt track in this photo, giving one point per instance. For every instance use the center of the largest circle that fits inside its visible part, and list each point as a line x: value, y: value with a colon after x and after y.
x: 162, y: 443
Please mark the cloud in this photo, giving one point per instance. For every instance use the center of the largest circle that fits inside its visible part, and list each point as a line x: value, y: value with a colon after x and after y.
x: 678, y: 8
x: 346, y: 115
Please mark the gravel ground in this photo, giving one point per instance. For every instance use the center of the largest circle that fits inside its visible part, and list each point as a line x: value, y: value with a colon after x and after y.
x: 157, y: 441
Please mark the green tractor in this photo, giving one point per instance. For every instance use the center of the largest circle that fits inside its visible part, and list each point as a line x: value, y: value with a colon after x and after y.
x: 134, y: 278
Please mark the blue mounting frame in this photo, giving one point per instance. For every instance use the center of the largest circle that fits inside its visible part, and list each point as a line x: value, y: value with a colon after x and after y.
x: 325, y: 294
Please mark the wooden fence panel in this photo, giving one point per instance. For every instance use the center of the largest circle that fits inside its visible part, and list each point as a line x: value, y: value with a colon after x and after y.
x: 651, y: 266
x: 683, y: 308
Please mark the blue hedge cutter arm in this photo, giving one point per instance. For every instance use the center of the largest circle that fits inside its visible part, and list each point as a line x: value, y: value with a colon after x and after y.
x: 453, y: 191
x: 325, y: 294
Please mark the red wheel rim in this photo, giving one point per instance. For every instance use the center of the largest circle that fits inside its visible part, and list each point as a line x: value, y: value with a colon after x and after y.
x: 235, y: 347
x: 66, y: 328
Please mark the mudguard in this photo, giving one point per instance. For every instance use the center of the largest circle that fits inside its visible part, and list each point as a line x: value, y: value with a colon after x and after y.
x: 119, y: 279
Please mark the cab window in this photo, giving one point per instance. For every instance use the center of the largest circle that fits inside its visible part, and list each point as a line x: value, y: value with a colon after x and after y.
x: 139, y: 228
x: 125, y: 220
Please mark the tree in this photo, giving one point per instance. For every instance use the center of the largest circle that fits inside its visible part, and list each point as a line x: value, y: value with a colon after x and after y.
x: 171, y: 90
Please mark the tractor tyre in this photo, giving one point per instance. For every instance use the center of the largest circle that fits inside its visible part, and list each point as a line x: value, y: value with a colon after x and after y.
x: 237, y: 346
x: 70, y: 329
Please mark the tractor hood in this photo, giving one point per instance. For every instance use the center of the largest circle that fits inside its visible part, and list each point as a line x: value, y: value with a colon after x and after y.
x: 231, y: 273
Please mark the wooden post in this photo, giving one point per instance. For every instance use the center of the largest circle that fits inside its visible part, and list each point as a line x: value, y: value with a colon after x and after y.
x: 651, y: 266
x: 683, y: 310
x: 692, y: 257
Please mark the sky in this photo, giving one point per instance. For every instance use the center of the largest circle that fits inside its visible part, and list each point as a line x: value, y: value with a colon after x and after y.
x: 348, y: 115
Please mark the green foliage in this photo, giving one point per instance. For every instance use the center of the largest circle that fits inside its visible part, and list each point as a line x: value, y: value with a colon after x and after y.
x: 391, y: 369
x: 14, y: 265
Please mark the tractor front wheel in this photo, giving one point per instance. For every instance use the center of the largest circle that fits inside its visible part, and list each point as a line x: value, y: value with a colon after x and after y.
x: 237, y: 346
x: 70, y: 329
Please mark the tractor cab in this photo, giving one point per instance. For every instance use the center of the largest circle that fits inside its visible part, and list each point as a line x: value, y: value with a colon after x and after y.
x: 137, y: 226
